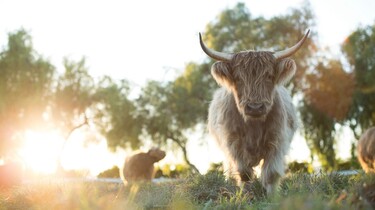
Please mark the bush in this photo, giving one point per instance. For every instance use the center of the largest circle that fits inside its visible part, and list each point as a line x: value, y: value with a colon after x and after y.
x: 114, y: 172
x: 302, y: 167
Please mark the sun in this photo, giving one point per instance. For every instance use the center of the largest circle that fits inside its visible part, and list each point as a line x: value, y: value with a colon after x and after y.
x: 40, y: 151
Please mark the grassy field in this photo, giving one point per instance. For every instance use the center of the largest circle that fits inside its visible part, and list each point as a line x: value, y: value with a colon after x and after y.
x: 210, y: 191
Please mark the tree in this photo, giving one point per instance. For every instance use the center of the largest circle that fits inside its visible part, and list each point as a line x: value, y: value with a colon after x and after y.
x: 104, y: 106
x: 113, y: 172
x: 160, y: 120
x: 182, y: 104
x: 359, y: 49
x: 236, y: 29
x: 326, y: 102
x: 116, y: 115
x: 171, y: 110
x: 25, y: 89
x: 73, y: 96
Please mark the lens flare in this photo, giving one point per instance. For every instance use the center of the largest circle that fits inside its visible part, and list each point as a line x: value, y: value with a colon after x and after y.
x: 40, y: 151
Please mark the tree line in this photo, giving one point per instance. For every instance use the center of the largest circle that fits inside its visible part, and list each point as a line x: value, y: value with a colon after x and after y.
x: 329, y: 91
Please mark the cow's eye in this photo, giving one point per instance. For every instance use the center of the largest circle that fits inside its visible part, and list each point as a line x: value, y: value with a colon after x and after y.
x: 269, y: 78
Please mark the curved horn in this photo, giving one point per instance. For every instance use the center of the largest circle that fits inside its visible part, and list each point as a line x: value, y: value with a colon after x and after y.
x: 214, y: 54
x: 290, y: 51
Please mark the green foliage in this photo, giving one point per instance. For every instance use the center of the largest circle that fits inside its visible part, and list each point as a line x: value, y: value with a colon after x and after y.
x: 236, y: 29
x: 172, y: 171
x: 173, y: 109
x: 351, y: 164
x: 73, y: 96
x: 169, y: 110
x: 190, y: 95
x: 25, y: 89
x: 325, y: 104
x: 155, y: 111
x: 216, y: 167
x: 116, y: 114
x: 300, y: 167
x: 29, y: 92
x: 113, y: 172
x: 347, y: 102
x: 319, y: 132
x: 360, y: 53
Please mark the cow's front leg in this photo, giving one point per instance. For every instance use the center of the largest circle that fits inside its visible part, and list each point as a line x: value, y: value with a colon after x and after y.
x: 246, y: 174
x: 273, y: 168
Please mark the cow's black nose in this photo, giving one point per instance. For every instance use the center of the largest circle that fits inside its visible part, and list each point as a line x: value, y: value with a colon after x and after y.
x: 255, y: 106
x: 255, y: 109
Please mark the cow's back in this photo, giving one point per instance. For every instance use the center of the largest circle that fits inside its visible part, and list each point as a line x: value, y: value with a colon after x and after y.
x: 366, y: 150
x: 139, y: 167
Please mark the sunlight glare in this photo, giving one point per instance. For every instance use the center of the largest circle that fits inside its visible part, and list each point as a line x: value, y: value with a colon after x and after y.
x: 40, y: 151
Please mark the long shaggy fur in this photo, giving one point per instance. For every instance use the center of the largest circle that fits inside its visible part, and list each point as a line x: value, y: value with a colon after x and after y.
x: 366, y: 150
x: 253, y: 77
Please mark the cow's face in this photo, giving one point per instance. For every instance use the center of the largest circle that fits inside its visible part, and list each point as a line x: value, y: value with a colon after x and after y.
x: 252, y: 78
x: 156, y: 153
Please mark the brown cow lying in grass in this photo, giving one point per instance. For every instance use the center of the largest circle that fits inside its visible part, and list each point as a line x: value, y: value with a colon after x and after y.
x: 366, y: 150
x: 140, y: 167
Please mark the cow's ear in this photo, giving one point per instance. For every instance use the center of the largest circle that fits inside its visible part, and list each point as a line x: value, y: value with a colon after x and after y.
x: 222, y: 74
x: 286, y: 68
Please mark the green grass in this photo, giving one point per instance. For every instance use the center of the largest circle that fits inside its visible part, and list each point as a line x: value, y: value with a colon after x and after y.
x: 210, y: 191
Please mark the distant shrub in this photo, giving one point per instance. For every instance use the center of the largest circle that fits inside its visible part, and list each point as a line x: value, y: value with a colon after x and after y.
x: 351, y: 164
x: 172, y: 171
x: 302, y: 167
x: 114, y: 172
x: 216, y: 167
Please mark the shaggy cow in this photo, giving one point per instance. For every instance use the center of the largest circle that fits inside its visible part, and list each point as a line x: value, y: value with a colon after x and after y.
x: 140, y: 167
x: 252, y: 117
x: 366, y: 150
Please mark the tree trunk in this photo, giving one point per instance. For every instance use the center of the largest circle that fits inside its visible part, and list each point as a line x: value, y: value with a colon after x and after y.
x: 184, y: 152
x: 59, y: 166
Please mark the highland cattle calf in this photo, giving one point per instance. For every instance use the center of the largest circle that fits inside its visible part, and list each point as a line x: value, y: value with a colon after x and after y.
x: 366, y: 150
x: 140, y: 167
x: 251, y: 116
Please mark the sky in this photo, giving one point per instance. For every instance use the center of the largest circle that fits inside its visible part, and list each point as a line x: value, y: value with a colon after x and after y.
x: 153, y: 40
